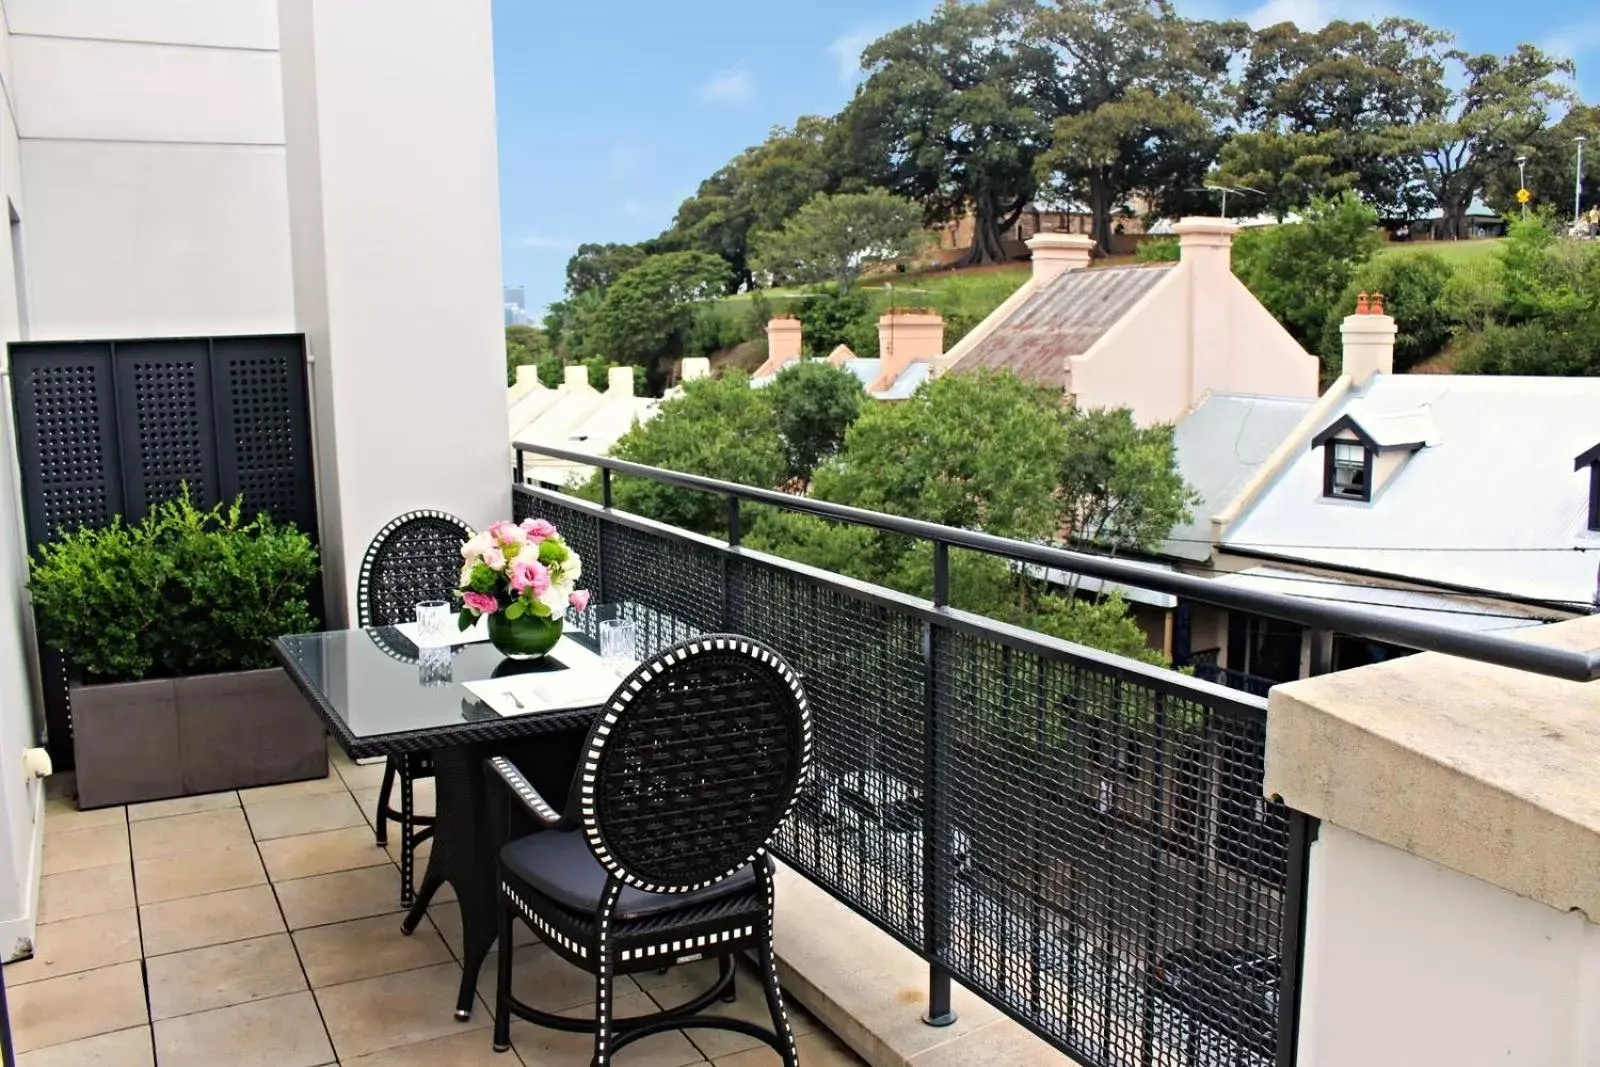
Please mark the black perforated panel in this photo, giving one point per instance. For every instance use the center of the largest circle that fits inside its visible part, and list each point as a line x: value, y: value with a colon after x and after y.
x: 66, y: 427
x: 168, y: 441
x: 263, y: 435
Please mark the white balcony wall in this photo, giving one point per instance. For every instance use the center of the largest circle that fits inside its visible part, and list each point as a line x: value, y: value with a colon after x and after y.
x: 21, y: 804
x: 154, y: 134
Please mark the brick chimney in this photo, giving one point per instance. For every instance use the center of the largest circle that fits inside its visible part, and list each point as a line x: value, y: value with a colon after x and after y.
x: 1205, y: 258
x: 1056, y: 253
x: 784, y: 337
x: 904, y: 338
x: 1368, y: 340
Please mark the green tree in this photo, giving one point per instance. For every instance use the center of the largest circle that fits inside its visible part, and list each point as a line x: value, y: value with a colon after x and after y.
x: 813, y: 406
x: 1352, y: 86
x: 595, y: 266
x: 1136, y: 90
x: 1502, y: 102
x: 1415, y: 288
x: 1300, y: 270
x: 949, y: 117
x: 833, y: 237
x: 1552, y: 154
x: 832, y: 317
x: 1120, y: 487
x: 646, y: 312
x: 1546, y: 318
x: 524, y: 344
x: 718, y: 428
x: 1288, y: 169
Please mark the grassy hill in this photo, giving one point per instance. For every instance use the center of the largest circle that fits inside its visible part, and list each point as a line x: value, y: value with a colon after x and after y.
x: 1452, y: 252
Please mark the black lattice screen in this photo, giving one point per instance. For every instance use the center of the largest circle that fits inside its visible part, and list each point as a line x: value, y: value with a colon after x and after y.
x: 108, y: 428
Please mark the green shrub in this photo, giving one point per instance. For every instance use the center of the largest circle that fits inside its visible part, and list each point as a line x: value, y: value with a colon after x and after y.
x: 180, y: 592
x: 1414, y: 287
x: 1157, y: 250
x: 551, y: 371
x: 832, y: 318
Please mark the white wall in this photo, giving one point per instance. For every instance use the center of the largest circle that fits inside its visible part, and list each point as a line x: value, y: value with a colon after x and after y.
x: 153, y: 132
x: 394, y: 195
x: 1408, y: 963
x: 20, y: 805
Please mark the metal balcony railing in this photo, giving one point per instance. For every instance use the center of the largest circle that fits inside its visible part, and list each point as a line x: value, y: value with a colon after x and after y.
x: 1078, y: 838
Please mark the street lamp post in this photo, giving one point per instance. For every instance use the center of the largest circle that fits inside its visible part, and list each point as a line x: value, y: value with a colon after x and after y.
x: 1577, y: 182
x: 1522, y: 182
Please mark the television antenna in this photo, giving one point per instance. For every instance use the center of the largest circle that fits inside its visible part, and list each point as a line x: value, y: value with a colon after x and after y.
x: 1236, y: 190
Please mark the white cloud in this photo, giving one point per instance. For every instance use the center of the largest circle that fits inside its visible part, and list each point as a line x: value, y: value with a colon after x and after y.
x: 732, y: 86
x: 1573, y: 41
x: 1315, y: 14
x: 535, y: 240
x: 846, y: 51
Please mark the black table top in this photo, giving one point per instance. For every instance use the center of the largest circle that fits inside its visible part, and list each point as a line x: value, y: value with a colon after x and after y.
x: 369, y: 688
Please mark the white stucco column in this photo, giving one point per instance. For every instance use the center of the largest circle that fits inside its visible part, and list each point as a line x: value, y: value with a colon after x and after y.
x: 1455, y: 882
x: 394, y: 216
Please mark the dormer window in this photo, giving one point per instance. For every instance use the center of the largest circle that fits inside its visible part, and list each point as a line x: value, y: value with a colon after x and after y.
x: 1349, y: 471
x: 1591, y: 459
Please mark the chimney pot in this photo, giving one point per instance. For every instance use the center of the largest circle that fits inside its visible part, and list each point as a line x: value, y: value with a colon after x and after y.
x: 785, y: 339
x: 619, y: 381
x: 576, y: 377
x: 906, y: 337
x: 1368, y: 340
x: 1056, y: 253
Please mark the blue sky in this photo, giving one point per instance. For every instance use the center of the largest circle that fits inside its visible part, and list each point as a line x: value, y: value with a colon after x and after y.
x: 612, y: 111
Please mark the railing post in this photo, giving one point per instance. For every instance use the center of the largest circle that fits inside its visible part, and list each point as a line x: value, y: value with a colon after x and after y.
x: 733, y: 620
x: 935, y: 918
x: 605, y: 487
x: 520, y: 474
x: 735, y: 534
x: 1321, y: 652
x: 1302, y: 833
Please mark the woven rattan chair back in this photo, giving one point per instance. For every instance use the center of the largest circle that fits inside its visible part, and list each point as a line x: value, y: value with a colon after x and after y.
x: 416, y: 557
x: 699, y: 756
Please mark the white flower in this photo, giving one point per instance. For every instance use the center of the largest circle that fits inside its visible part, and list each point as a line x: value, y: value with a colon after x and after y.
x: 466, y: 573
x: 474, y: 549
x: 555, y: 598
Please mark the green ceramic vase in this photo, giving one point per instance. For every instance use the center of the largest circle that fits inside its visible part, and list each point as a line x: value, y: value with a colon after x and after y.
x: 526, y: 638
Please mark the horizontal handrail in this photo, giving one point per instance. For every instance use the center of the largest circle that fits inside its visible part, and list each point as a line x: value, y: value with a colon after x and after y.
x: 1570, y: 664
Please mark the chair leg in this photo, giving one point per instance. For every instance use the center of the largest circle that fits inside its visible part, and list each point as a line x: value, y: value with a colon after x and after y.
x: 502, y: 983
x: 380, y: 824
x: 603, y: 1012
x: 407, y: 846
x: 768, y: 962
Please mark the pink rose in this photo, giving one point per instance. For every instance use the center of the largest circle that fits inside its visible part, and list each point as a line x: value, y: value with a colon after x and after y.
x: 494, y: 559
x: 507, y: 533
x: 580, y: 599
x: 525, y: 575
x: 482, y: 603
x: 537, y: 530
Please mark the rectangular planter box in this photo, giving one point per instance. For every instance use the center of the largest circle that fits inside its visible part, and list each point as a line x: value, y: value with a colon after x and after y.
x: 174, y: 737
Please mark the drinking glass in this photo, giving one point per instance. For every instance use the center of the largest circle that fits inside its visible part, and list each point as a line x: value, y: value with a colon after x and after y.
x: 619, y: 644
x: 434, y: 666
x: 433, y: 623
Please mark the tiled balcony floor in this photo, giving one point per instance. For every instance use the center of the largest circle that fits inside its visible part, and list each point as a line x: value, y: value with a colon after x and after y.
x: 261, y: 929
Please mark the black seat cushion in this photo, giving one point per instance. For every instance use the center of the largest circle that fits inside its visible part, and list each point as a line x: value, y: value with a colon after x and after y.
x: 561, y: 867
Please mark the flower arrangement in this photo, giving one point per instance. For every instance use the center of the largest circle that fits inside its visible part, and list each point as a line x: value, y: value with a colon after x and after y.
x: 522, y: 577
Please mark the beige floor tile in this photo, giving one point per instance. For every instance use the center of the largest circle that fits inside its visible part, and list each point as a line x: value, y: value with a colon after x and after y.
x: 333, y: 898
x: 419, y: 855
x: 62, y: 814
x: 204, y: 831
x: 87, y: 892
x: 472, y: 1049
x: 76, y: 1006
x: 292, y: 816
x: 537, y: 1045
x: 816, y: 1050
x: 281, y: 1032
x: 357, y: 777
x: 124, y: 1048
x: 541, y: 978
x: 75, y: 945
x: 394, y: 1010
x: 329, y: 783
x: 221, y: 975
x: 751, y: 1006
x: 190, y: 874
x: 162, y: 809
x: 366, y: 948
x: 311, y: 854
x: 213, y: 919
x: 699, y: 974
x: 77, y: 850
x: 367, y: 801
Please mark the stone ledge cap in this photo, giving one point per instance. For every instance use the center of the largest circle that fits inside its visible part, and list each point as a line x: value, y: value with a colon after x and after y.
x: 1486, y: 770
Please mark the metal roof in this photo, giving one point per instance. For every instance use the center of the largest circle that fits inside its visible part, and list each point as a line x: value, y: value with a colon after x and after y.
x: 1416, y: 604
x: 866, y: 372
x: 1220, y: 446
x: 1492, y: 504
x: 1063, y: 319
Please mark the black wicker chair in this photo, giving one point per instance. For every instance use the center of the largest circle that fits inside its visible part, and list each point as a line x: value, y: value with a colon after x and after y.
x: 416, y: 557
x: 698, y: 757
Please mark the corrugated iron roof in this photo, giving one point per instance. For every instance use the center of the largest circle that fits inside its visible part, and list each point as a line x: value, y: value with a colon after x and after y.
x: 1411, y: 604
x: 1492, y: 504
x: 1063, y: 319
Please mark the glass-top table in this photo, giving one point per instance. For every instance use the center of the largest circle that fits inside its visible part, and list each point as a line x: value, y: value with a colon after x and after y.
x: 379, y: 699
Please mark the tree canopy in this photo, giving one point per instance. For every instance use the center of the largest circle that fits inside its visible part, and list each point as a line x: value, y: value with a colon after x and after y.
x: 833, y: 237
x: 646, y: 311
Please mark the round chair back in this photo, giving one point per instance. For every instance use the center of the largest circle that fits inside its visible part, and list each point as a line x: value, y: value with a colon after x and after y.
x: 416, y: 557
x: 700, y: 755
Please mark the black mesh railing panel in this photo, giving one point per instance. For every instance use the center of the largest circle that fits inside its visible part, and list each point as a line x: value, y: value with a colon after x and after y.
x: 859, y: 828
x: 1104, y: 865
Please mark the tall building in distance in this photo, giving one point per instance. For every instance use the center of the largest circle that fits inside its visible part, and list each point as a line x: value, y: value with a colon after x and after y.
x: 516, y: 302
